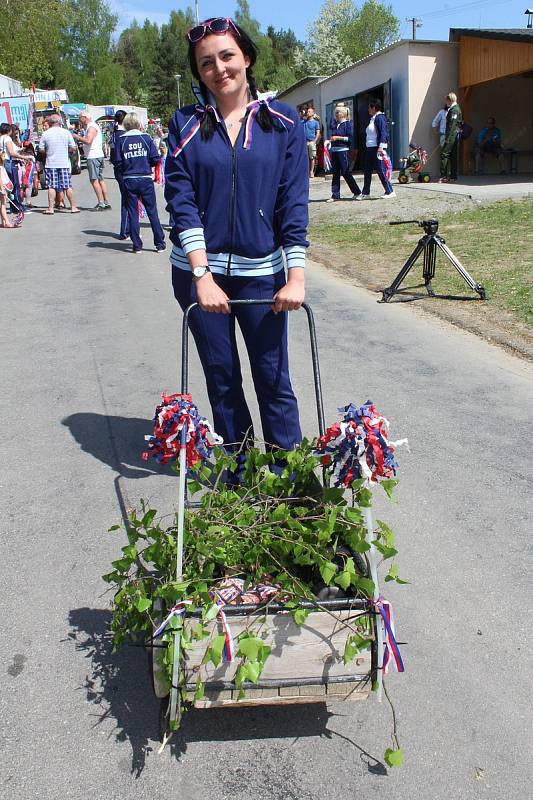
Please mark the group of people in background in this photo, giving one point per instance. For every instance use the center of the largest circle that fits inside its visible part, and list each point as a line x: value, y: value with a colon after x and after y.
x: 340, y: 149
x: 137, y: 162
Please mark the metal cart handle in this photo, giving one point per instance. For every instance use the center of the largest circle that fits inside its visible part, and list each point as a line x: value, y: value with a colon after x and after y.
x: 314, y: 352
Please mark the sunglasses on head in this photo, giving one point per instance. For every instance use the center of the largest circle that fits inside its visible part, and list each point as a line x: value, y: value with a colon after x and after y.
x: 218, y: 26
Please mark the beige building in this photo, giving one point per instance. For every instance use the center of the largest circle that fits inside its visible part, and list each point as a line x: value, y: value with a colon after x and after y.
x: 411, y: 78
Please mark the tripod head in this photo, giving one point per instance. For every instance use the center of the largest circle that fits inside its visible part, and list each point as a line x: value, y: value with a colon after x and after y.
x: 430, y: 226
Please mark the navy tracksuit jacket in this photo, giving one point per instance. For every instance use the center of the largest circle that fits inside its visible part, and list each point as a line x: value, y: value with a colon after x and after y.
x: 135, y: 154
x: 246, y: 205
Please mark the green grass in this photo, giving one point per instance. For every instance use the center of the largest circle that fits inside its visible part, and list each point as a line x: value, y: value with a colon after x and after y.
x: 494, y: 244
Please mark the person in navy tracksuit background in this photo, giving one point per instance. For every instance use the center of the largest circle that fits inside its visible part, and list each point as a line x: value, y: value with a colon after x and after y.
x: 116, y: 160
x: 340, y: 136
x: 136, y: 154
x: 236, y: 184
x: 377, y: 140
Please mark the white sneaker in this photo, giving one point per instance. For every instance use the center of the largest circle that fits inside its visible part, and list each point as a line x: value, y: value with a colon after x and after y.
x: 388, y: 194
x: 333, y: 200
x: 360, y: 196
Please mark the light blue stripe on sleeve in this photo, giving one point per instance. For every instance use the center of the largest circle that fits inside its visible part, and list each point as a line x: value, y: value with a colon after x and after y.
x: 192, y: 239
x: 295, y: 255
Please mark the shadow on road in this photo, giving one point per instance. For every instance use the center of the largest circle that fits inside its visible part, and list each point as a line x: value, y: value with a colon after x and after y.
x: 91, y: 232
x: 119, y: 686
x: 124, y: 247
x: 116, y: 441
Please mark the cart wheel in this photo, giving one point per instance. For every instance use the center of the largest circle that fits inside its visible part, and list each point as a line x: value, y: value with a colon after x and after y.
x: 424, y: 177
x: 402, y: 178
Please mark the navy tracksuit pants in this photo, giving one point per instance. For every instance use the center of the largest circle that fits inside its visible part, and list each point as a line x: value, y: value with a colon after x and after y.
x: 143, y: 189
x: 340, y: 163
x: 374, y: 164
x: 124, y: 221
x: 265, y: 336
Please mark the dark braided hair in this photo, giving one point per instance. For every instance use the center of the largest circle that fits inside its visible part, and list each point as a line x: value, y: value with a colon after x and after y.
x: 248, y: 48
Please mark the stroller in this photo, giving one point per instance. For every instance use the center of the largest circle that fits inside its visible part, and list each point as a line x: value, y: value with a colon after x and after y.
x: 413, y: 165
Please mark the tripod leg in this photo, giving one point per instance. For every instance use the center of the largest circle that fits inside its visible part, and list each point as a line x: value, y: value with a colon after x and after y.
x: 393, y: 288
x: 430, y: 259
x: 454, y: 261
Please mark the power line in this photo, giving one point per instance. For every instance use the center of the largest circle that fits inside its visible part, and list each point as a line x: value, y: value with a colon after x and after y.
x: 445, y: 12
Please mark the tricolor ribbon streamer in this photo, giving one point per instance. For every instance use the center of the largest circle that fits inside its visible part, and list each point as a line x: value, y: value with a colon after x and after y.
x: 328, y: 166
x: 171, y: 416
x: 391, y: 650
x: 178, y: 609
x: 251, y: 110
x: 359, y: 447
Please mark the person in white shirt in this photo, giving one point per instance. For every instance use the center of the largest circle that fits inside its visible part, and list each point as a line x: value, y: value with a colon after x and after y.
x: 92, y: 143
x: 439, y: 121
x: 56, y: 143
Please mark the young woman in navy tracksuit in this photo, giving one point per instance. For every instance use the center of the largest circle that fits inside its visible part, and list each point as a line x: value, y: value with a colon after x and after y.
x: 377, y: 140
x: 135, y: 154
x: 341, y: 140
x: 237, y: 189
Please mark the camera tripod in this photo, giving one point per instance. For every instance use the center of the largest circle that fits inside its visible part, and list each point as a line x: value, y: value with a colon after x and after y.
x: 428, y: 245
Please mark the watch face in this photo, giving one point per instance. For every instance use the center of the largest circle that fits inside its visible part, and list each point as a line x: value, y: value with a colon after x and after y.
x: 199, y: 272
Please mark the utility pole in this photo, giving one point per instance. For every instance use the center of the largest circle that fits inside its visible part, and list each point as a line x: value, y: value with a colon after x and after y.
x: 416, y: 24
x: 197, y: 11
x: 178, y: 79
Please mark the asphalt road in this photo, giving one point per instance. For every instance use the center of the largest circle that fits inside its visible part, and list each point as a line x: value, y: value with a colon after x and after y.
x: 89, y: 340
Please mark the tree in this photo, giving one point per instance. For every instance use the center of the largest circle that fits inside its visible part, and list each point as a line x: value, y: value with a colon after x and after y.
x: 85, y: 66
x: 29, y: 37
x: 135, y: 52
x: 344, y: 33
x: 170, y: 60
x: 373, y: 27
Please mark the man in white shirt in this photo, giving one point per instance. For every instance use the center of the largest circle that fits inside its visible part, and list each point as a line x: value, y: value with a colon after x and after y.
x: 94, y: 153
x: 56, y: 143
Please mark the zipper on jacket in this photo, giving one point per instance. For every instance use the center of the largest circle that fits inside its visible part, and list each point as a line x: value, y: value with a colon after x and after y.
x: 232, y: 210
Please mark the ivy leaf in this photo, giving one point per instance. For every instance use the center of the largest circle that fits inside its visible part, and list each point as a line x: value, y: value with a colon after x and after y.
x: 385, y: 533
x: 344, y: 579
x: 364, y: 498
x: 250, y: 646
x: 194, y: 486
x: 130, y: 551
x: 252, y: 671
x: 210, y: 613
x: 114, y: 527
x: 385, y: 550
x: 148, y: 518
x: 214, y: 653
x: 300, y: 615
x: 388, y: 486
x: 394, y: 758
x: 327, y: 570
x: 354, y: 645
x: 353, y: 514
x: 200, y: 690
x: 393, y: 575
x: 366, y: 586
x: 143, y: 604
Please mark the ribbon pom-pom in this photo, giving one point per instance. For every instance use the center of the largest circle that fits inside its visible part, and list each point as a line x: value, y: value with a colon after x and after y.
x: 358, y: 446
x: 177, y: 411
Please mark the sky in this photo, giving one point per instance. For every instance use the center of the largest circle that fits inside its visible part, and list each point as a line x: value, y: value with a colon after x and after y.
x: 437, y: 17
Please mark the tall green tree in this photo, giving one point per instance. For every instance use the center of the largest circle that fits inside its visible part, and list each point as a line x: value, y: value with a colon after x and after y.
x: 135, y: 52
x: 30, y: 31
x: 85, y: 65
x: 171, y: 60
x: 344, y: 33
x: 374, y: 26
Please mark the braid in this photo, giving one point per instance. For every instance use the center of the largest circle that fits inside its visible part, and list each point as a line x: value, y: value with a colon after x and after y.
x: 208, y: 124
x: 263, y: 117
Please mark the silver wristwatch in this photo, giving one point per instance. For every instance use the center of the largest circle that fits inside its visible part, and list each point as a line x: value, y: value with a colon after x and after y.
x: 199, y: 272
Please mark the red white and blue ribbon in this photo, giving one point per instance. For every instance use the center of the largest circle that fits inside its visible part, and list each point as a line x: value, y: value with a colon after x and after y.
x: 252, y: 110
x: 229, y: 646
x: 387, y: 166
x: 391, y: 651
x: 177, y: 611
x: 359, y: 446
x: 177, y: 411
x: 328, y: 166
x: 189, y: 134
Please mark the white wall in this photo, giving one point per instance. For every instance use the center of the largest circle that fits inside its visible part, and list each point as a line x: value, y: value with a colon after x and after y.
x: 432, y: 74
x: 390, y: 64
x: 308, y: 92
x: 9, y: 87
